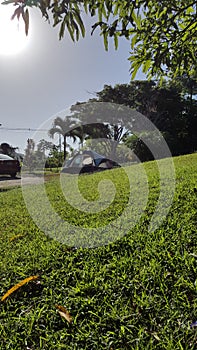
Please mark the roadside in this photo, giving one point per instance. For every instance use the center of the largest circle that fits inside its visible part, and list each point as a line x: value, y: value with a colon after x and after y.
x: 6, y: 181
x: 9, y: 182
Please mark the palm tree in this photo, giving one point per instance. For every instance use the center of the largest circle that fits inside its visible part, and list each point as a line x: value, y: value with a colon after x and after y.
x: 66, y: 128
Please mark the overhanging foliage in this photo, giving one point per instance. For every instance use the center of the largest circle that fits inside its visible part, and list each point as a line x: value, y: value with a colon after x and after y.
x: 162, y: 33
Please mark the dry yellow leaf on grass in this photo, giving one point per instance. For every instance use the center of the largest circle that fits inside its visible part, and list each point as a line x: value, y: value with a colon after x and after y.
x: 17, y: 286
x: 64, y: 313
x: 13, y: 238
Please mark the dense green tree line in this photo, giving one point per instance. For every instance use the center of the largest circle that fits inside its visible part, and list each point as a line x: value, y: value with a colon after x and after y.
x: 172, y: 108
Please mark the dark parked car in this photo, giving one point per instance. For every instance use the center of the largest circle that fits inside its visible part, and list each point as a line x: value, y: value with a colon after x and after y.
x: 9, y: 165
x: 88, y: 162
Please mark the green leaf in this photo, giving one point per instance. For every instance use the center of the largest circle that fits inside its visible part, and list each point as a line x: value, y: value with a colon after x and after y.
x: 108, y: 4
x: 105, y: 37
x: 190, y: 10
x: 133, y: 40
x: 116, y: 8
x: 101, y: 12
x: 146, y: 66
x: 62, y: 28
x: 135, y: 69
x: 136, y: 19
x: 116, y: 41
x: 80, y: 23
x: 71, y: 31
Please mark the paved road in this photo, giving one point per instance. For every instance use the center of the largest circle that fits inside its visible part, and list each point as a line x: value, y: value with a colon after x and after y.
x: 7, y: 181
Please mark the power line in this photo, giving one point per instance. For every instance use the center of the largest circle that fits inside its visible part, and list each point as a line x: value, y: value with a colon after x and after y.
x: 22, y: 129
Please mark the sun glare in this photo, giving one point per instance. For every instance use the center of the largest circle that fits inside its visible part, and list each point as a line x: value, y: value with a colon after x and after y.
x: 12, y: 32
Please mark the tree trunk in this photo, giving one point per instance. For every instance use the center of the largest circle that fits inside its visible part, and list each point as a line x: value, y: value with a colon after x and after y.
x: 64, y: 147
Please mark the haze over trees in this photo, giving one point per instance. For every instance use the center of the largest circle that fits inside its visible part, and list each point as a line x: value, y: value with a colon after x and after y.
x: 162, y: 33
x: 43, y: 154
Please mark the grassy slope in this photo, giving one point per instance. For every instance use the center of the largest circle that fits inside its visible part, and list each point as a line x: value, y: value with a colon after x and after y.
x: 136, y: 293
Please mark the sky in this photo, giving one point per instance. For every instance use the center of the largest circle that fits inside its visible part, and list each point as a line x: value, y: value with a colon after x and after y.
x: 48, y: 76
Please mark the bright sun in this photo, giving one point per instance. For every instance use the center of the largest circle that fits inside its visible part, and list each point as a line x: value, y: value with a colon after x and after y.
x: 12, y: 32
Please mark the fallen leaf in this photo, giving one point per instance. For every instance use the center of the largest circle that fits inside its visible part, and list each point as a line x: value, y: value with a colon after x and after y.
x: 64, y: 313
x: 156, y: 336
x: 17, y: 286
x: 16, y: 237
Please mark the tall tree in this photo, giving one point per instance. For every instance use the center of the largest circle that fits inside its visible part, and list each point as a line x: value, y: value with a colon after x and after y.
x: 29, y: 158
x: 167, y: 107
x: 55, y: 158
x: 44, y: 146
x: 107, y: 122
x: 67, y: 128
x: 162, y: 33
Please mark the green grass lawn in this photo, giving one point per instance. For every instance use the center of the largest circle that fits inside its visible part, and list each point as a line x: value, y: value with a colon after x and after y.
x: 137, y: 292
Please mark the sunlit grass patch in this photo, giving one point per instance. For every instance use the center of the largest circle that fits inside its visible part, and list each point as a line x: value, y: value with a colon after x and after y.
x: 138, y: 292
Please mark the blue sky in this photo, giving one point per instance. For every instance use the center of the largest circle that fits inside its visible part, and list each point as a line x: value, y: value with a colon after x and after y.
x: 50, y: 75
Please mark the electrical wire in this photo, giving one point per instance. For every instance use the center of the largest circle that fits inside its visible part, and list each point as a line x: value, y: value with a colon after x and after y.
x: 22, y: 129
